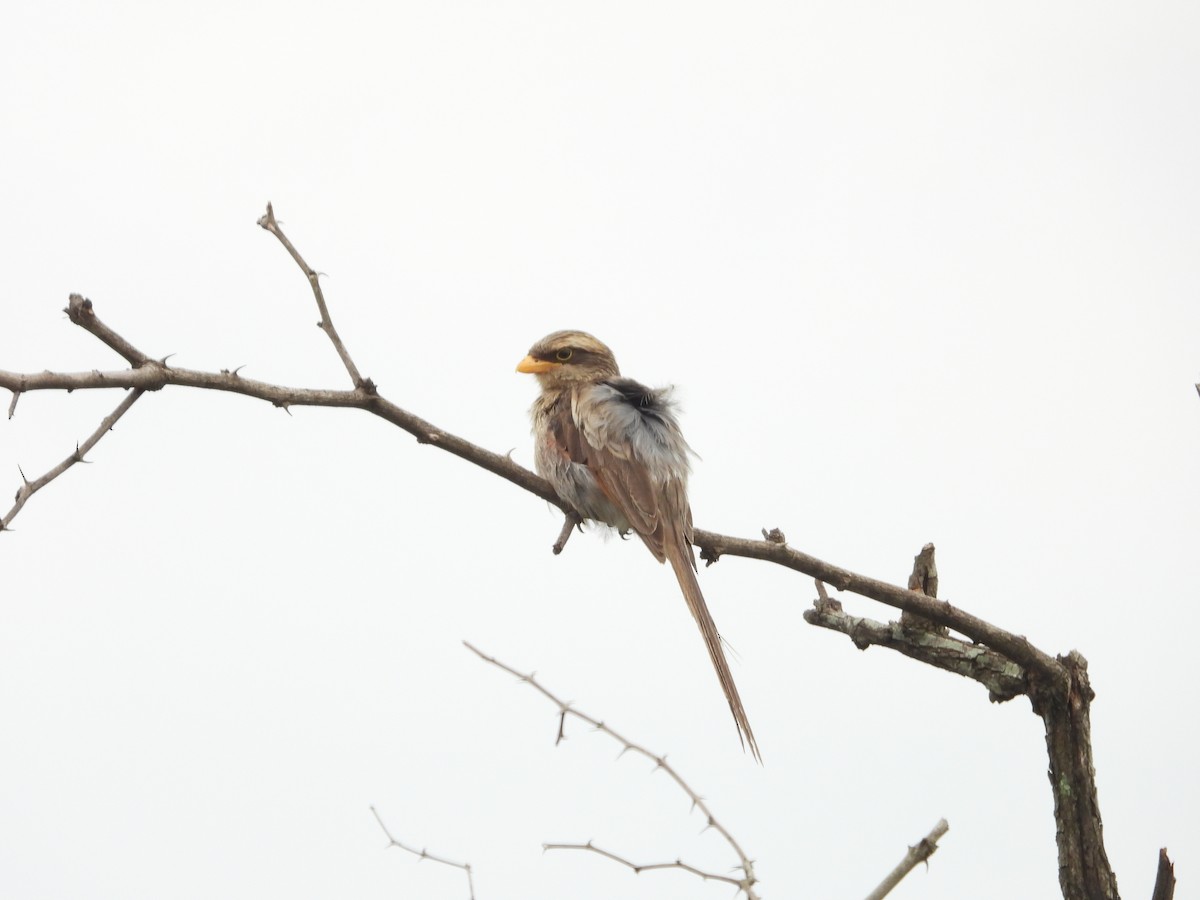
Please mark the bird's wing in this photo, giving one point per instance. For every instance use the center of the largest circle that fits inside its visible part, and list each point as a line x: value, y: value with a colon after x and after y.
x: 638, y: 457
x: 634, y: 449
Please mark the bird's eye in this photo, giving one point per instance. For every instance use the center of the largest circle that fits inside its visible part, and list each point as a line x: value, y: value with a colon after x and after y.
x: 563, y: 355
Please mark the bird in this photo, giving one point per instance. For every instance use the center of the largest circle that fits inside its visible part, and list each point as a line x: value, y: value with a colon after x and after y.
x: 613, y: 450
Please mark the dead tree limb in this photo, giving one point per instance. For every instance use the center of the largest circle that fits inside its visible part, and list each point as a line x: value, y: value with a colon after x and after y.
x: 1164, y: 884
x: 1058, y: 691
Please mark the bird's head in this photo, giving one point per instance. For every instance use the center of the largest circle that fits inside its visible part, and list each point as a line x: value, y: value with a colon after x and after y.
x: 568, y: 357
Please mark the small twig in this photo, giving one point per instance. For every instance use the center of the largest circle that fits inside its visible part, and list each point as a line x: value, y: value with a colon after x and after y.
x: 425, y: 854
x: 12, y: 406
x: 268, y: 223
x: 639, y: 868
x: 571, y: 521
x: 747, y: 881
x: 917, y: 854
x: 29, y: 488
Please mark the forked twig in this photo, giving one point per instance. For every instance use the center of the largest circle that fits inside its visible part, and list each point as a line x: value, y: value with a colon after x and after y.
x: 29, y: 488
x: 744, y: 884
x: 425, y: 854
x: 268, y: 223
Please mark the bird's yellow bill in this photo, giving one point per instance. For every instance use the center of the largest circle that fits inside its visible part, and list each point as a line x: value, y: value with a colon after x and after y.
x: 532, y: 366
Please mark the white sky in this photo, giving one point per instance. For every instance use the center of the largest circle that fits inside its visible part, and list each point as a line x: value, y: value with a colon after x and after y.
x: 922, y: 272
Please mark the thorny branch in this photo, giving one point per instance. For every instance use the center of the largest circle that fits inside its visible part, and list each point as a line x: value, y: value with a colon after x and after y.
x: 744, y: 884
x: 639, y: 868
x: 1058, y: 687
x: 918, y: 853
x: 29, y: 488
x: 268, y: 222
x: 425, y: 854
x: 153, y: 375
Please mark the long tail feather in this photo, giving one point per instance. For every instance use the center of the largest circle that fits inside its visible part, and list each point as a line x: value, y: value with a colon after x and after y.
x: 681, y: 561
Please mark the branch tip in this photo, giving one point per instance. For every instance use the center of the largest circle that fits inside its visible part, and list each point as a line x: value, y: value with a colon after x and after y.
x: 745, y: 884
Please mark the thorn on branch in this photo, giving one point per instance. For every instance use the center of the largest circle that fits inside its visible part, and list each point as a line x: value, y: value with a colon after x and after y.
x: 12, y: 406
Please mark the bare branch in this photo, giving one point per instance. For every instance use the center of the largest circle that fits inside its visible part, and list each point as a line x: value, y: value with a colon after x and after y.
x: 916, y: 854
x: 1016, y: 647
x: 154, y: 376
x: 268, y: 223
x: 425, y: 854
x: 29, y: 488
x: 745, y: 883
x: 149, y: 375
x: 639, y: 868
x: 1058, y: 687
x: 1003, y: 678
